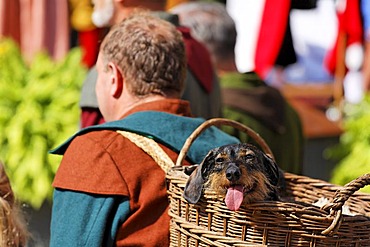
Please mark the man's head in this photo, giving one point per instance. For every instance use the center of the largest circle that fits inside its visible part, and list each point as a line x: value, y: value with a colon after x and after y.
x: 210, y: 24
x: 140, y: 58
x: 109, y: 12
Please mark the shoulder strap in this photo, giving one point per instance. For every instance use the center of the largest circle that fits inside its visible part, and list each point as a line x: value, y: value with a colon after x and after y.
x: 150, y: 147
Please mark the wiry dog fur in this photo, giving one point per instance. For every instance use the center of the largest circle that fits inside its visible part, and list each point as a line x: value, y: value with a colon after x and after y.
x: 235, y: 165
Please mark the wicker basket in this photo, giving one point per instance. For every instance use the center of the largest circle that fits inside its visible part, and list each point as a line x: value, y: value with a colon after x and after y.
x: 294, y: 221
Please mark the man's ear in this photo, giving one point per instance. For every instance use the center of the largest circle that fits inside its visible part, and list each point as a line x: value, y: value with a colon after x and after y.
x: 116, y: 80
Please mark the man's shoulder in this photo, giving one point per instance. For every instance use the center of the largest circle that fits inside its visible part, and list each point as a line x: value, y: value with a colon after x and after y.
x: 168, y: 129
x: 102, y: 137
x: 86, y: 158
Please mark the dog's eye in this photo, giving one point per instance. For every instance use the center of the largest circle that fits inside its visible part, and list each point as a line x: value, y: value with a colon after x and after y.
x: 249, y: 156
x: 219, y: 160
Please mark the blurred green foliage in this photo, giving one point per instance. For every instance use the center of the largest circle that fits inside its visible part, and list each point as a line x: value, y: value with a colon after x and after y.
x: 38, y: 111
x: 353, y: 151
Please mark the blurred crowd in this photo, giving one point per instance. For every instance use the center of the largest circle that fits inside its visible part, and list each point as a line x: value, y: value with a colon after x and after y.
x: 305, y: 41
x: 238, y: 56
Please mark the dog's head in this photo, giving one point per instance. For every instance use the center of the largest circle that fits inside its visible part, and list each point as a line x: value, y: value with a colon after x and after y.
x: 240, y: 172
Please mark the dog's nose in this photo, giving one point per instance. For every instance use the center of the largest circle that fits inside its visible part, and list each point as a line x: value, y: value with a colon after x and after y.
x: 232, y: 172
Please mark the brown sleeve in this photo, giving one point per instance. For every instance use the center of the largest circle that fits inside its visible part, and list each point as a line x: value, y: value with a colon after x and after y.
x: 88, y: 167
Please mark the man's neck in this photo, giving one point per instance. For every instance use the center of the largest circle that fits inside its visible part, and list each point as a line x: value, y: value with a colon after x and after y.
x: 131, y: 103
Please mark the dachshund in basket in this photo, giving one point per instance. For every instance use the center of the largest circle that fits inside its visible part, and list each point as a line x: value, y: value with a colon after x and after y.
x: 240, y: 172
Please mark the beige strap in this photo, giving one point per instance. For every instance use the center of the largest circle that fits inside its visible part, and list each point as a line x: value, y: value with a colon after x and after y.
x: 150, y: 147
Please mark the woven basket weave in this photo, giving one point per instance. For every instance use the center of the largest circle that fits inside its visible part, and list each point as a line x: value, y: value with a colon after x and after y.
x: 293, y: 221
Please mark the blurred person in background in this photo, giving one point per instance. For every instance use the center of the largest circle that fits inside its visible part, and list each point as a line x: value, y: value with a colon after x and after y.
x: 246, y: 97
x: 13, y: 226
x: 202, y: 86
x: 84, y: 33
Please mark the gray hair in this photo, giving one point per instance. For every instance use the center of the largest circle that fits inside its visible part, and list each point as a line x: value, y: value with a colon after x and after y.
x: 150, y: 52
x: 210, y: 24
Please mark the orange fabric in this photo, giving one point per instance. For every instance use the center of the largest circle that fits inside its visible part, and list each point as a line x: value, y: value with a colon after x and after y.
x: 272, y: 29
x: 38, y: 25
x: 89, y: 158
x: 105, y: 162
x: 86, y: 162
x: 121, y: 168
x: 9, y: 21
x: 172, y: 3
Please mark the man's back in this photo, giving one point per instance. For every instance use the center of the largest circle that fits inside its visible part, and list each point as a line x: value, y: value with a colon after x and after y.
x: 104, y: 174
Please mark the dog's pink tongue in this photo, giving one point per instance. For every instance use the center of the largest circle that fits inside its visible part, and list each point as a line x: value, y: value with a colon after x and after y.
x: 234, y: 197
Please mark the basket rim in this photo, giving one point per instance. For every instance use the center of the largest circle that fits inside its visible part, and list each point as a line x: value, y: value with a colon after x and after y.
x: 218, y: 122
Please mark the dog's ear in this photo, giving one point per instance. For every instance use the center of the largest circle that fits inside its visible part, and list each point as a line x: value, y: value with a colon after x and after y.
x: 272, y: 169
x: 208, y: 163
x: 194, y: 185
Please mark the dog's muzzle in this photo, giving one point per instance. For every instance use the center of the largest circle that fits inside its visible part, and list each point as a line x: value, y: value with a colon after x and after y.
x: 234, y: 195
x: 232, y: 172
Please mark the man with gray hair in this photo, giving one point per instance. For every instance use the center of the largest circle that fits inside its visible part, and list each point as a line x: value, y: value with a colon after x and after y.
x: 246, y: 97
x: 108, y: 190
x: 202, y: 87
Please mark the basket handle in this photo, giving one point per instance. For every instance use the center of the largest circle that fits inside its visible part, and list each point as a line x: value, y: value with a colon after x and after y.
x: 217, y: 122
x: 340, y: 197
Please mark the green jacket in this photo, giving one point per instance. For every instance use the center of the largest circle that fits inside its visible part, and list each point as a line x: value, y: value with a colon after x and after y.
x: 248, y: 100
